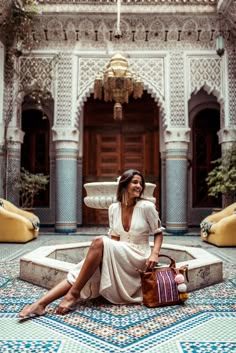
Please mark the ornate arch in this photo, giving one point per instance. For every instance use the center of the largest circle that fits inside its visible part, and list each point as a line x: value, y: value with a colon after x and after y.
x: 215, y: 91
x: 206, y: 73
x: 152, y: 75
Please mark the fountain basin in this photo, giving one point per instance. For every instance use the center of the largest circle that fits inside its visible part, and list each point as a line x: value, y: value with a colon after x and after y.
x: 48, y: 265
x: 102, y: 194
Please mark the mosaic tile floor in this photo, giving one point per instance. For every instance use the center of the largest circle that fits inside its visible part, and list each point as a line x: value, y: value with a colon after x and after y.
x: 205, y: 324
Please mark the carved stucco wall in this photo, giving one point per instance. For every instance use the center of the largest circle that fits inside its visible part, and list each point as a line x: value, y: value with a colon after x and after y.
x: 171, y: 75
x: 232, y: 88
x: 156, y: 48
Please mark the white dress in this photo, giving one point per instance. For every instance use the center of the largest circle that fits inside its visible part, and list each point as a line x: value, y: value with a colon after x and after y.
x: 117, y: 279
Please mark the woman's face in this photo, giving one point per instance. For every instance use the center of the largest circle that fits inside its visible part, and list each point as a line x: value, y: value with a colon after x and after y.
x: 134, y: 187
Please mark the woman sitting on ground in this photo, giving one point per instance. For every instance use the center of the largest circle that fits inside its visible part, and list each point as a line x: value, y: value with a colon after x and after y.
x: 109, y: 269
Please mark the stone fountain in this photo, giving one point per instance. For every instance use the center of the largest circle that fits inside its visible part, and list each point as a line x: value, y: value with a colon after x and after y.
x: 102, y: 194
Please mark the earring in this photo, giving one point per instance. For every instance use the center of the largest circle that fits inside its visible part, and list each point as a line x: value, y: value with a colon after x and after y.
x: 125, y: 198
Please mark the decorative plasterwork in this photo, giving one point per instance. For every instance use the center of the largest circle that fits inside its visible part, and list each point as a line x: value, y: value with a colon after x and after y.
x: 152, y: 32
x: 232, y: 89
x: 38, y: 69
x: 151, y: 71
x: 176, y: 87
x: 204, y: 72
x: 63, y: 100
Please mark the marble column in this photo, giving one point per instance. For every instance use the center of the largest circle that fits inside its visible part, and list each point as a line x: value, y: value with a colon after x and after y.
x: 163, y: 187
x: 66, y: 152
x: 12, y: 160
x: 177, y: 141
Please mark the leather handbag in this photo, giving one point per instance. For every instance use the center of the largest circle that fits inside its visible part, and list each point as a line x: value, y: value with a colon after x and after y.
x: 164, y: 285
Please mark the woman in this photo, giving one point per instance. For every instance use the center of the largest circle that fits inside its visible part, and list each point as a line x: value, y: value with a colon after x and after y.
x: 109, y: 268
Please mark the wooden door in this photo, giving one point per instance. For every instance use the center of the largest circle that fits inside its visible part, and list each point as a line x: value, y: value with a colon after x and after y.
x: 111, y: 147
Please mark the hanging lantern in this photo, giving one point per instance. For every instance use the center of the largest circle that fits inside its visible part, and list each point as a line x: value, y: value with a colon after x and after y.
x: 220, y: 47
x: 117, y: 83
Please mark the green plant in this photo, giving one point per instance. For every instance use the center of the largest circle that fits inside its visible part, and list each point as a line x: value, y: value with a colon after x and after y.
x: 18, y: 24
x: 222, y: 179
x: 30, y: 185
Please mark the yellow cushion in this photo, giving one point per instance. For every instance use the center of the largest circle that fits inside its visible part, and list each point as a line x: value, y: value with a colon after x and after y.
x: 223, y: 229
x: 17, y: 225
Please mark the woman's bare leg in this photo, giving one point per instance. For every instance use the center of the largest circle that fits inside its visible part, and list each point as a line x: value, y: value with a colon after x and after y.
x: 38, y: 308
x: 91, y: 263
x: 72, y: 293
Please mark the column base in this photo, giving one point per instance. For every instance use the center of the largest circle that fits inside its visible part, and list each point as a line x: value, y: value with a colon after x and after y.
x: 177, y: 229
x: 65, y: 228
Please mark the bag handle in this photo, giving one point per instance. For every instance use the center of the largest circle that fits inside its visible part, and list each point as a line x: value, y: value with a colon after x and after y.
x: 172, y: 261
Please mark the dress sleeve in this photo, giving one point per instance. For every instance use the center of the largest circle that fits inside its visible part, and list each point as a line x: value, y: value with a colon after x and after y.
x: 152, y: 217
x: 111, y: 217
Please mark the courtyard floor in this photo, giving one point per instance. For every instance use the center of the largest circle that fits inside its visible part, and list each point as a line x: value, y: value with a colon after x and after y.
x: 206, y: 323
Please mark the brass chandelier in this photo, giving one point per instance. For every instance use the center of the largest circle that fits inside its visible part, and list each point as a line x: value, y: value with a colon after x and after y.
x: 117, y: 83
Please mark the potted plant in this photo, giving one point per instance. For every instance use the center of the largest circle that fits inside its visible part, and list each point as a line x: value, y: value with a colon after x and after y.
x: 222, y: 179
x: 29, y: 186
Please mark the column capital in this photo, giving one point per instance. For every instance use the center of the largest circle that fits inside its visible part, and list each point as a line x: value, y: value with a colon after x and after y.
x: 177, y: 138
x: 15, y: 135
x: 65, y: 134
x: 227, y: 135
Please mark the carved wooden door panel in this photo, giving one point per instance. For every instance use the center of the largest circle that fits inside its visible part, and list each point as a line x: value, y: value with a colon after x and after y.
x: 108, y: 154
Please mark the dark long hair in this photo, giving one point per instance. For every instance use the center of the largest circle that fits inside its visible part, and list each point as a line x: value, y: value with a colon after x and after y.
x: 125, y: 179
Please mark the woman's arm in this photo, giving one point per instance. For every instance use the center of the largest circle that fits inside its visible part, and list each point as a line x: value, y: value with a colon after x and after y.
x: 111, y: 231
x: 152, y: 261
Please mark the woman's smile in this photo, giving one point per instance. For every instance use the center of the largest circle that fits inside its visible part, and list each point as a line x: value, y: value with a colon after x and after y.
x: 135, y: 186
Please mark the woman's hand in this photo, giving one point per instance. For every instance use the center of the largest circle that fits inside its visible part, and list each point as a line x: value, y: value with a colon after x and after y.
x: 152, y: 261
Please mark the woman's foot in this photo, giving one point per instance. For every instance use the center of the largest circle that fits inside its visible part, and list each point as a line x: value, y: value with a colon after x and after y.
x: 32, y: 310
x: 67, y: 305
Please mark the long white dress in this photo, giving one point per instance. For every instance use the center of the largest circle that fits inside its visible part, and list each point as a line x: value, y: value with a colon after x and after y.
x: 117, y: 279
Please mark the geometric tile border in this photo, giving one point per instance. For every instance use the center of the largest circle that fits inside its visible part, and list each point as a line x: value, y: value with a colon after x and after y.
x: 29, y: 346
x: 208, y: 347
x: 120, y: 342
